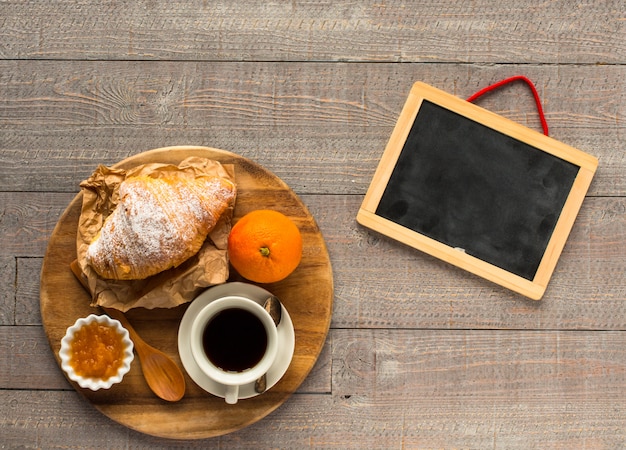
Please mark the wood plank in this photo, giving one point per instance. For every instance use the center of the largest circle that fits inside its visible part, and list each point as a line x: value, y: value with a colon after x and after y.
x: 37, y: 419
x: 7, y: 288
x: 27, y: 221
x: 528, y: 389
x: 26, y: 295
x: 458, y: 31
x: 404, y: 388
x: 28, y: 361
x: 320, y: 127
x: 401, y: 287
x: 59, y: 419
x: 537, y: 365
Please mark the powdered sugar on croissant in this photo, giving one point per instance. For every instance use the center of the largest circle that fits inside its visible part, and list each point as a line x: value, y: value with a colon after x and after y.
x: 158, y: 224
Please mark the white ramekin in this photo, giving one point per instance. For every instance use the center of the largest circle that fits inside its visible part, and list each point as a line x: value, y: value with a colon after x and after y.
x: 96, y: 383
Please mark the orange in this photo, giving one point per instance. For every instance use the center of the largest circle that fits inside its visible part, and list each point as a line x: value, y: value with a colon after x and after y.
x: 265, y: 246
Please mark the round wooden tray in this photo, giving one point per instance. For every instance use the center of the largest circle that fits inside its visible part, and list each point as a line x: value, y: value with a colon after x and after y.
x: 307, y: 294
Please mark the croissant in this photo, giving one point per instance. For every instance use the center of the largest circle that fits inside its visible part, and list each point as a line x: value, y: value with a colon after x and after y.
x: 158, y: 224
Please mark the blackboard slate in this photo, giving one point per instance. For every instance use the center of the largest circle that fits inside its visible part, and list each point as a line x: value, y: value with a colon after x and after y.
x: 474, y: 188
x: 477, y: 190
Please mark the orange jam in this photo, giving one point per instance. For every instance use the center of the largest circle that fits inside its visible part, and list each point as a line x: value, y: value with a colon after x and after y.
x: 97, y: 351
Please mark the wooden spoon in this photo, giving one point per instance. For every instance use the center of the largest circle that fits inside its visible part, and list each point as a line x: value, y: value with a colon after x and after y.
x: 161, y: 373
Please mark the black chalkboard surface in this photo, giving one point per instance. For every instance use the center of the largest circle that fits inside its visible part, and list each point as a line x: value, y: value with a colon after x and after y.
x: 477, y: 190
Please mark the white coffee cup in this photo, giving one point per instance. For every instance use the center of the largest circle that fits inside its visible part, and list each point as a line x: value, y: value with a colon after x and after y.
x: 227, y: 350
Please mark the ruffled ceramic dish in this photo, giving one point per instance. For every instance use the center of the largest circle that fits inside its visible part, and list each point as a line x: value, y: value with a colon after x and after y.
x: 98, y: 351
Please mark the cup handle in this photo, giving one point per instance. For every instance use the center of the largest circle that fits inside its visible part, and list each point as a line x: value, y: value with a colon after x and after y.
x: 232, y: 394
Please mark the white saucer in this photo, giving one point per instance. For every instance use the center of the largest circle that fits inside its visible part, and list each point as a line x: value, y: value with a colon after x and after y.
x: 286, y: 338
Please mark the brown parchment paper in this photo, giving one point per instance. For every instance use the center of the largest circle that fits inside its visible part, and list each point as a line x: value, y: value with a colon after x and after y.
x: 172, y: 287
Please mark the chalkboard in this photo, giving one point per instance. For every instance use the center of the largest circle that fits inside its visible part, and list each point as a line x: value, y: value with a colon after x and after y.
x: 477, y: 190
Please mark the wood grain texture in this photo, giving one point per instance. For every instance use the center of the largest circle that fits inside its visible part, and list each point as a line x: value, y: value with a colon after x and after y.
x: 420, y: 354
x: 380, y: 283
x: 7, y: 290
x: 28, y: 362
x: 409, y: 388
x: 556, y: 32
x: 321, y: 127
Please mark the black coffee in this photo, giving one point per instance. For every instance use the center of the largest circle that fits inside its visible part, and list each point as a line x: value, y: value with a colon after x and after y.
x: 234, y: 340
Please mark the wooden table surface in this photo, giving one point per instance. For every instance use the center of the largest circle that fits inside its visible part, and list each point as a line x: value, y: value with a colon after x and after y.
x: 420, y: 354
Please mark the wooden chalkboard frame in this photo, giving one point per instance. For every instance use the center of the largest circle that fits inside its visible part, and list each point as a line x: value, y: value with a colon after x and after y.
x: 533, y: 288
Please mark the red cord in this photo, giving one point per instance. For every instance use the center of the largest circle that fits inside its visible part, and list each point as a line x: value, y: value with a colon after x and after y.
x: 530, y: 84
